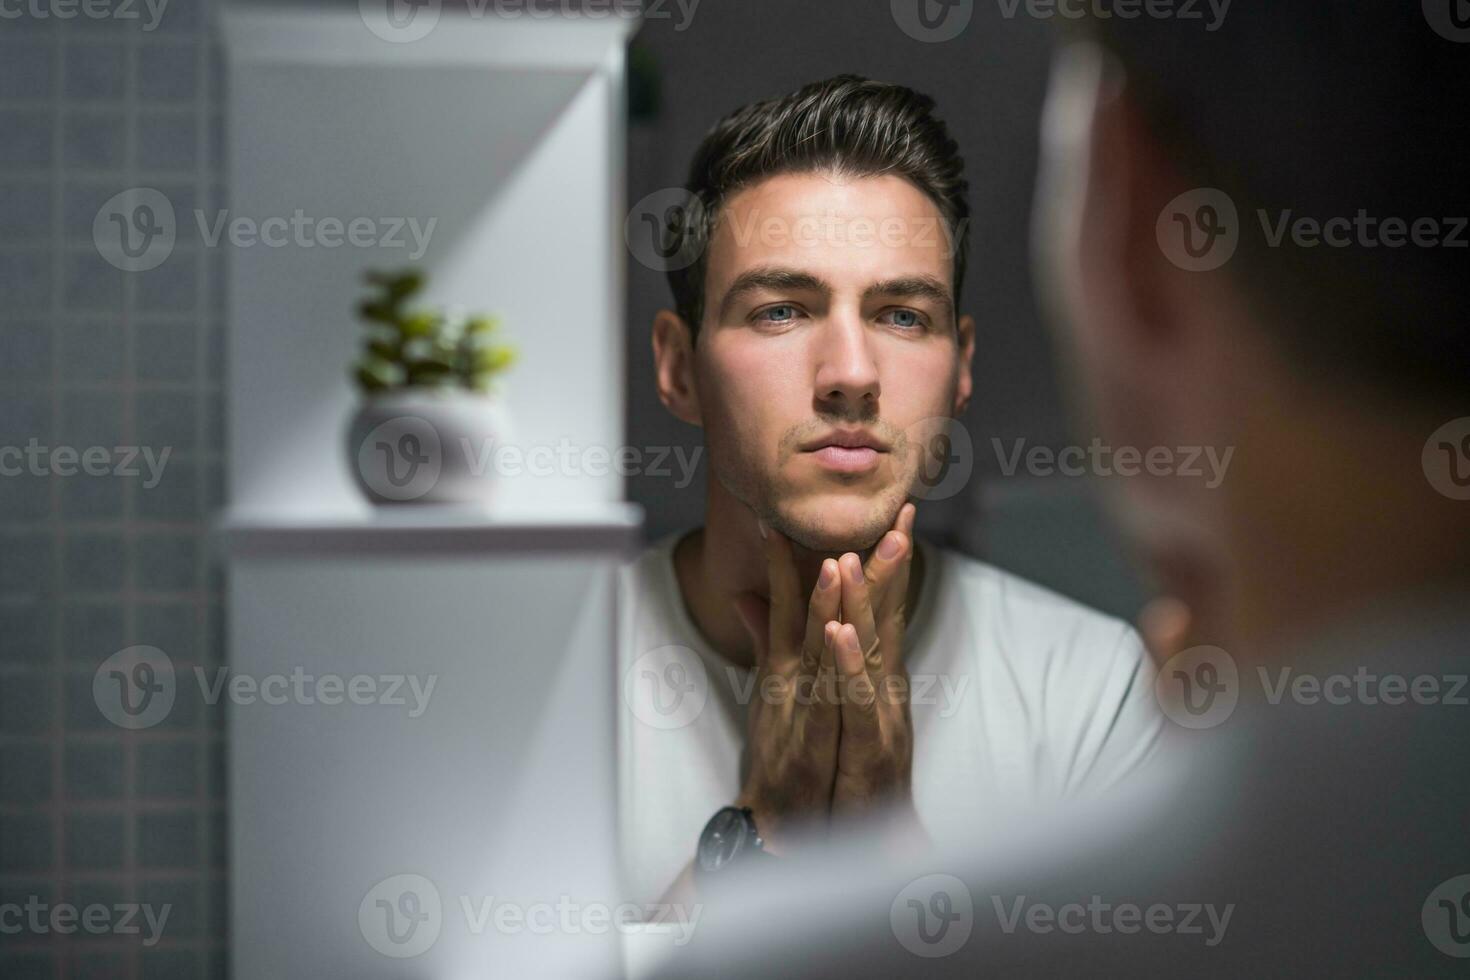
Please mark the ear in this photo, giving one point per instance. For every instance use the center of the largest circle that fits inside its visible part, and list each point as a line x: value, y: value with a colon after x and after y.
x: 673, y: 362
x: 964, y: 376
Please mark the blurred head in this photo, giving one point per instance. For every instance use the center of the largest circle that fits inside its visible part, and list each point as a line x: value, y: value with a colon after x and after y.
x: 1323, y: 355
x: 816, y: 337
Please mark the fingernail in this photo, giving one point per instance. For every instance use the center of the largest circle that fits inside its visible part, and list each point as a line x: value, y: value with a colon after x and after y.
x: 828, y: 576
x: 889, y: 547
x: 761, y: 526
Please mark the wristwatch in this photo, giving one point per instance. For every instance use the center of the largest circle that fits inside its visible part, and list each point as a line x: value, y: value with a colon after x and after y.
x: 730, y: 838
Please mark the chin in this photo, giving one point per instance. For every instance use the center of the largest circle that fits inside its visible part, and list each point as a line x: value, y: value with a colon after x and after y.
x: 838, y: 522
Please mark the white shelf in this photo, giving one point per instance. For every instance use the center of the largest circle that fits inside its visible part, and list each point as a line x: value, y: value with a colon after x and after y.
x: 432, y: 530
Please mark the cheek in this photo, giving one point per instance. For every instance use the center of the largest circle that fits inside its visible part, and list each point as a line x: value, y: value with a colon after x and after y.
x: 749, y: 398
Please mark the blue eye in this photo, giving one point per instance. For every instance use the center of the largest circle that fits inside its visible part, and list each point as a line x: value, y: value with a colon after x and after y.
x: 907, y: 319
x: 778, y: 314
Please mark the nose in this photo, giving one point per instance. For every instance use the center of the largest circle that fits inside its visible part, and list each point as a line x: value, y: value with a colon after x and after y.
x: 847, y: 373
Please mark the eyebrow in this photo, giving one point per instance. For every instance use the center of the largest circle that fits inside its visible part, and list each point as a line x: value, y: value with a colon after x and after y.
x: 780, y: 279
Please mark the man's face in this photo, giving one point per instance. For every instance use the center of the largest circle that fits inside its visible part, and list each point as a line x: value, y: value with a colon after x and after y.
x: 829, y: 351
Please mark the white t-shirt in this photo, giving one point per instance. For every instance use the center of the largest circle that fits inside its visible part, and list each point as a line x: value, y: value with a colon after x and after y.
x: 1018, y: 697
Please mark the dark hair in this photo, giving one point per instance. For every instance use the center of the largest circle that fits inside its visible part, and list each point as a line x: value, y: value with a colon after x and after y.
x: 1325, y: 109
x: 853, y: 125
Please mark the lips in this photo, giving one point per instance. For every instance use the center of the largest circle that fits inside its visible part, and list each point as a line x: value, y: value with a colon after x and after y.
x: 847, y: 450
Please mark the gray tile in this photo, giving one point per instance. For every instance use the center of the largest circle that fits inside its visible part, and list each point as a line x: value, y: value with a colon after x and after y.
x: 91, y: 418
x: 25, y: 705
x: 88, y: 497
x: 92, y: 284
x: 180, y: 17
x: 95, y: 561
x: 25, y: 69
x: 218, y: 787
x: 79, y: 706
x: 28, y: 134
x: 168, y: 562
x: 219, y: 839
x: 185, y: 900
x: 17, y: 890
x: 91, y: 350
x: 25, y: 350
x: 98, y: 966
x: 81, y: 199
x: 24, y: 496
x: 27, y: 965
x: 25, y: 212
x: 167, y: 73
x: 26, y: 415
x: 91, y: 632
x: 25, y: 277
x: 167, y: 418
x: 25, y: 563
x: 168, y: 839
x: 167, y: 770
x: 175, y: 497
x: 219, y: 146
x: 84, y: 891
x: 25, y: 843
x: 92, y: 140
x: 167, y: 351
x: 93, y: 770
x: 167, y: 141
x: 172, y: 287
x: 95, y: 841
x: 25, y: 773
x: 25, y: 632
x: 96, y: 71
x: 173, y: 627
x: 170, y: 964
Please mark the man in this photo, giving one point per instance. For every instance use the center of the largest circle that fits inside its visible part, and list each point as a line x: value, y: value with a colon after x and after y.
x: 801, y: 657
x: 1317, y: 824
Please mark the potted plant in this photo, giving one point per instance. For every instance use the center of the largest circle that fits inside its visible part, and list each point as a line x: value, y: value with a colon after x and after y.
x: 429, y: 414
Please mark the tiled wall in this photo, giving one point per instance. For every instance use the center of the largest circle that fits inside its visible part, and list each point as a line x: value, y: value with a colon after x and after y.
x: 92, y: 355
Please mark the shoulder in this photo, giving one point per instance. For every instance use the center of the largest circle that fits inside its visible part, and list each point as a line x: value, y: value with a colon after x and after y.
x: 1006, y: 605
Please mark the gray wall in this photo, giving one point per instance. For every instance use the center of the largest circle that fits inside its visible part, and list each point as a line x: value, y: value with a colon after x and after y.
x: 989, y: 82
x: 93, y: 356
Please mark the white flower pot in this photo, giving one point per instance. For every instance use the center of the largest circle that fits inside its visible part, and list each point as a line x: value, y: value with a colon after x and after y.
x: 425, y: 446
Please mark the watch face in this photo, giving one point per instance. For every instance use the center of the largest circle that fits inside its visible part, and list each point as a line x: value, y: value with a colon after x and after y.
x: 723, y: 838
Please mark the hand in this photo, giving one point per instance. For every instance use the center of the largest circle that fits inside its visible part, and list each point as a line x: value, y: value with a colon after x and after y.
x: 794, y: 719
x: 875, y: 750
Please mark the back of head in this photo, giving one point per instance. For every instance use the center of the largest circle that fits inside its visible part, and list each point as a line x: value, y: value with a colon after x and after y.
x: 1302, y: 109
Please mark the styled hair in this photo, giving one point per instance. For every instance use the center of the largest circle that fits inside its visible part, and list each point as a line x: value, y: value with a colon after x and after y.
x: 1325, y: 111
x: 849, y: 125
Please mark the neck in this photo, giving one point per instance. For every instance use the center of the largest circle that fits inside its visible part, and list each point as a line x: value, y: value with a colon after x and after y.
x: 727, y: 557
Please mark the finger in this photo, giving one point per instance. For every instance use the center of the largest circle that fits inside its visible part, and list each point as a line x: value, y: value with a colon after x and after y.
x: 755, y: 616
x: 887, y: 567
x: 857, y: 608
x: 787, y: 618
x: 1164, y: 625
x: 859, y: 699
x: 825, y: 603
